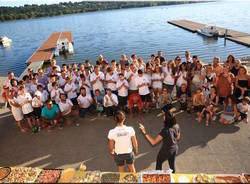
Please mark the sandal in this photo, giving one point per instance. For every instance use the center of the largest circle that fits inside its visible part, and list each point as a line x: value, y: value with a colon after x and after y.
x: 206, y: 123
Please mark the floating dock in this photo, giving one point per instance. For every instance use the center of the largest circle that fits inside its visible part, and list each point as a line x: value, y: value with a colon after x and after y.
x: 235, y: 36
x: 46, y: 51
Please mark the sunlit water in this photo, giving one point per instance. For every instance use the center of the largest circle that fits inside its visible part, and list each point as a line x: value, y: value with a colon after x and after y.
x: 141, y: 30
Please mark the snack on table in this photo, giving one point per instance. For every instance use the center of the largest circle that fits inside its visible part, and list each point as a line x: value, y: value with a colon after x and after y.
x: 49, y: 176
x: 22, y: 175
x: 156, y: 178
x: 92, y: 177
x: 79, y: 177
x: 228, y: 179
x: 247, y: 178
x: 4, y: 172
x: 182, y: 178
x: 203, y: 178
x: 67, y: 175
x: 110, y: 177
x: 129, y: 178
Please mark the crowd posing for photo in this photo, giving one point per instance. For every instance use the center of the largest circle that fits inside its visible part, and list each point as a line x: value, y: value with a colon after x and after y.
x: 59, y: 96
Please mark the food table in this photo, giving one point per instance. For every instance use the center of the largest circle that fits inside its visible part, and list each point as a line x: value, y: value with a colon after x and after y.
x: 70, y: 175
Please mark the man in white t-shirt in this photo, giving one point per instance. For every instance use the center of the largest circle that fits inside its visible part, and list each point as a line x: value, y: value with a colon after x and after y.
x: 123, y: 143
x: 131, y: 76
x: 65, y: 106
x: 85, y: 103
x: 110, y: 102
x: 111, y: 79
x: 24, y: 99
x: 122, y: 87
x: 70, y: 89
x: 55, y: 93
x: 96, y: 79
x: 142, y: 84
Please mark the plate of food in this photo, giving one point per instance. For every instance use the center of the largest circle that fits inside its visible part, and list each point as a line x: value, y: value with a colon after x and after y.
x: 129, y: 178
x: 108, y: 177
x: 4, y: 172
x: 156, y: 178
x: 223, y: 178
x: 67, y: 175
x: 22, y: 175
x: 49, y: 176
x: 203, y: 178
x: 92, y: 177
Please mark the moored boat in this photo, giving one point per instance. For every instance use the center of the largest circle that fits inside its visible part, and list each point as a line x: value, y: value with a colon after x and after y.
x: 5, y: 41
x: 209, y: 31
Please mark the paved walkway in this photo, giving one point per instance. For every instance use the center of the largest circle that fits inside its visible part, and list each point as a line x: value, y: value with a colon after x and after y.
x: 213, y: 149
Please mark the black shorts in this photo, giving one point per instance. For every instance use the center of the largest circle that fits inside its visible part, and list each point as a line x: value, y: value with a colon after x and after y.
x: 37, y: 112
x: 74, y: 101
x: 122, y: 100
x: 198, y: 108
x: 123, y: 159
x: 146, y: 98
x: 29, y: 115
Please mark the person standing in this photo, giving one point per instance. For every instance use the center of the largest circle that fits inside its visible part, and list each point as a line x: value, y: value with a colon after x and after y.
x: 169, y: 135
x: 122, y: 143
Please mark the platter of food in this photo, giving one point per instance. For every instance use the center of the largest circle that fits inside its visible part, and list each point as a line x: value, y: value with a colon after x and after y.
x: 67, y: 175
x: 228, y: 179
x: 156, y: 178
x: 4, y: 172
x: 49, y: 176
x: 182, y: 178
x: 22, y: 175
x: 203, y: 178
x: 108, y: 177
x: 78, y: 177
x: 129, y: 178
x: 92, y: 177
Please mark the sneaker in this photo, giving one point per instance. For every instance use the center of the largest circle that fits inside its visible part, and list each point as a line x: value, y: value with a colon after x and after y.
x: 77, y: 124
x: 214, y: 118
x: 60, y: 127
x: 39, y: 128
x: 240, y: 98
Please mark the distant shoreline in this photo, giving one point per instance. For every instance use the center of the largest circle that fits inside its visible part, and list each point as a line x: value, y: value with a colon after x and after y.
x: 38, y: 11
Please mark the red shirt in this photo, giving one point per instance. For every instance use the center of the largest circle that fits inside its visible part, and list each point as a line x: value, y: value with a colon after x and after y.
x: 131, y: 101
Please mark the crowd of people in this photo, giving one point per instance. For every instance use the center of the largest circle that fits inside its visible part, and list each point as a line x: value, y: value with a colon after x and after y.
x: 61, y: 95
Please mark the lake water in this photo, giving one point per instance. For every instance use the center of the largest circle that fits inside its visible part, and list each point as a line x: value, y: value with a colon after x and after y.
x: 141, y: 30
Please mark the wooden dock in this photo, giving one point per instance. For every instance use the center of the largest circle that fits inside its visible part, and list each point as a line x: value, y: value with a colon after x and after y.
x: 46, y: 51
x: 235, y: 36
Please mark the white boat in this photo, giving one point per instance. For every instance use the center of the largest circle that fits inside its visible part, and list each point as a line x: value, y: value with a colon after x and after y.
x: 63, y: 46
x: 5, y: 41
x: 209, y: 31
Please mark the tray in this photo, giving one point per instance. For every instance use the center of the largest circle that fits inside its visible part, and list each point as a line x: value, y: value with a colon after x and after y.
x: 92, y: 177
x: 4, y: 172
x: 67, y: 175
x: 203, y: 178
x: 49, y: 176
x: 155, y: 178
x: 229, y: 178
x: 110, y: 177
x: 129, y: 178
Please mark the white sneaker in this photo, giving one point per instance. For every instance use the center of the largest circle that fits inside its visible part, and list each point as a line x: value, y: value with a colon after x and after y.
x: 157, y: 105
x: 77, y: 124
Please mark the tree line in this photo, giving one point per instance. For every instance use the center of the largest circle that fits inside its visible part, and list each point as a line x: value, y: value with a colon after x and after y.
x: 36, y: 11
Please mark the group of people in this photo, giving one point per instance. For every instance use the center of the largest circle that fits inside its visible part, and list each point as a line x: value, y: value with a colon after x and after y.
x: 62, y: 94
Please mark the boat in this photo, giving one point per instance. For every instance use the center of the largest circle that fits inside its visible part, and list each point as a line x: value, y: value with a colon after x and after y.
x: 5, y: 41
x: 209, y: 31
x: 63, y: 46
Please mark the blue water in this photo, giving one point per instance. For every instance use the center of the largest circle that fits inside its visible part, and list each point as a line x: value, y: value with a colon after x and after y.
x: 141, y: 30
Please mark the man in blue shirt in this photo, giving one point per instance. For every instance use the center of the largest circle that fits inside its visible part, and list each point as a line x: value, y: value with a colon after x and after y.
x: 50, y: 114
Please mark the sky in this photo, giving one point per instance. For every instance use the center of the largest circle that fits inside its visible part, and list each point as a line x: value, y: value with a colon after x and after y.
x: 22, y: 2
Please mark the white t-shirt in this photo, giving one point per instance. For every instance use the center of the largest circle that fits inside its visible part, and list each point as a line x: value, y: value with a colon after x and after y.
x: 123, y: 91
x: 132, y: 82
x: 61, y: 82
x: 84, y: 101
x: 110, y: 103
x: 122, y: 137
x: 36, y: 102
x: 50, y: 87
x: 65, y: 106
x: 111, y: 85
x: 181, y: 79
x: 98, y: 84
x: 55, y: 94
x: 157, y: 84
x: 144, y: 90
x: 86, y: 85
x: 33, y: 89
x: 243, y: 108
x: 168, y: 79
x: 44, y: 95
x: 71, y: 94
x: 26, y: 108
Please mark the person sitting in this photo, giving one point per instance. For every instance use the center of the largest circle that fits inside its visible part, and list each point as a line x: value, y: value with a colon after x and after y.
x: 229, y: 112
x: 198, y: 102
x: 244, y: 109
x: 185, y: 98
x: 165, y: 98
x: 135, y: 102
x: 65, y: 106
x: 85, y: 103
x: 50, y: 114
x: 110, y: 102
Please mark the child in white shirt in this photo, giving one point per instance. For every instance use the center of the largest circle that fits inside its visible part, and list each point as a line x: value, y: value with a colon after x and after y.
x: 244, y: 109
